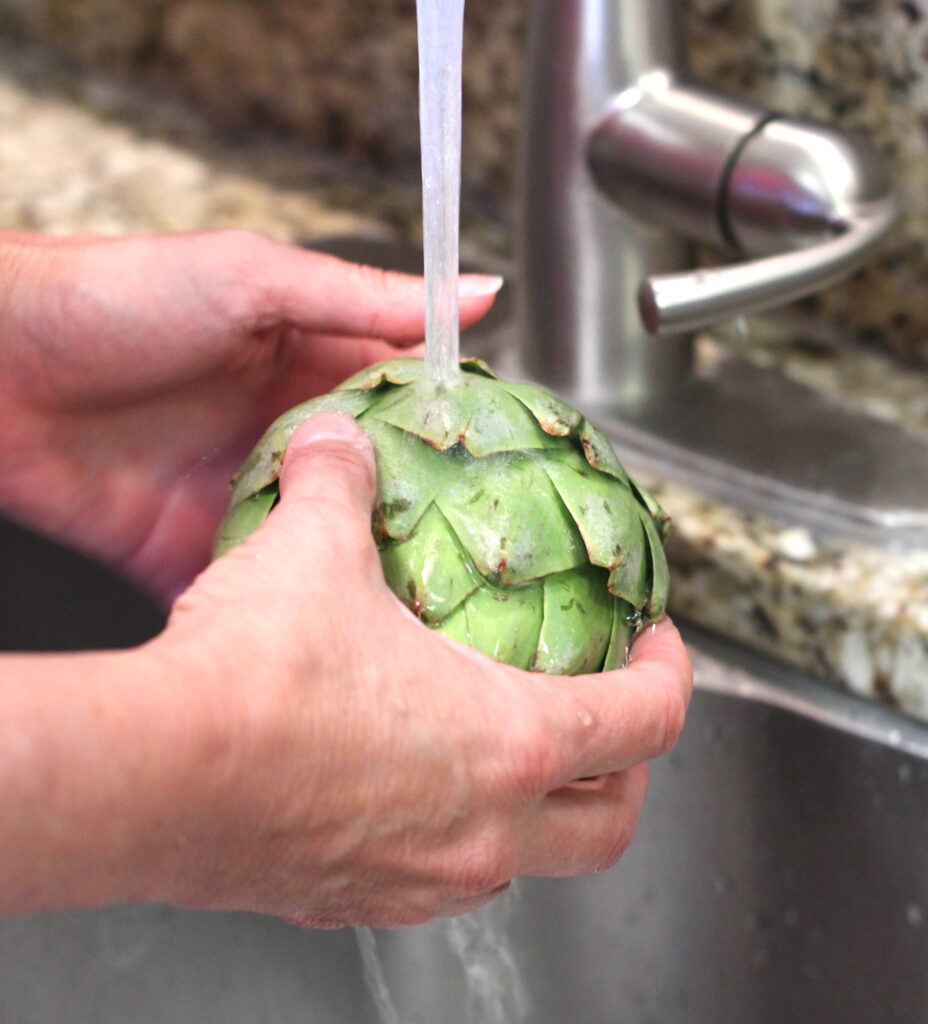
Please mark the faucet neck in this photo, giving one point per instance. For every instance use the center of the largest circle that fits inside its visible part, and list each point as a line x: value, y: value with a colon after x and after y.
x: 582, y: 257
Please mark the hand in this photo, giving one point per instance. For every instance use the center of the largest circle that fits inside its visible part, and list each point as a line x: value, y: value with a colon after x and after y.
x: 372, y: 771
x: 136, y: 374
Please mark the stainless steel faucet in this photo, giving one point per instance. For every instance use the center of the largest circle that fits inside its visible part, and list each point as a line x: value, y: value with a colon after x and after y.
x: 627, y: 165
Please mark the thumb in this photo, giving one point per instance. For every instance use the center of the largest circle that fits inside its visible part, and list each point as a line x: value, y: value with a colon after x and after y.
x: 327, y: 488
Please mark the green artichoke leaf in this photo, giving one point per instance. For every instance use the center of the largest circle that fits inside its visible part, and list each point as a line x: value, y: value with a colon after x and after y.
x: 660, y: 573
x: 578, y: 622
x: 504, y: 424
x: 405, y: 370
x: 244, y: 518
x: 552, y: 413
x: 625, y: 621
x: 263, y: 465
x: 475, y: 365
x: 430, y: 572
x: 660, y: 517
x: 502, y: 623
x: 435, y: 413
x: 446, y: 415
x: 399, y: 371
x: 409, y: 476
x: 599, y: 452
x: 509, y: 518
x: 609, y: 520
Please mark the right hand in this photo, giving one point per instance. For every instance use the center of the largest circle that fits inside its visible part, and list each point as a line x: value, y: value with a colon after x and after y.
x: 371, y: 771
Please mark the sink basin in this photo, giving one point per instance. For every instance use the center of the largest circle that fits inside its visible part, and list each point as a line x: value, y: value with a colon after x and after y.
x: 778, y: 874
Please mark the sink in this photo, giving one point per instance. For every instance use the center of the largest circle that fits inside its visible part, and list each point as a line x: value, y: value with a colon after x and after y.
x: 778, y: 872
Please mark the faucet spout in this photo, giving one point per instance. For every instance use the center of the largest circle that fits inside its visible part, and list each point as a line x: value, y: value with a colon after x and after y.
x: 675, y: 303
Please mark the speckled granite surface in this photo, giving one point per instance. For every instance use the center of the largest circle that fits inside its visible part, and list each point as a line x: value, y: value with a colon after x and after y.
x: 343, y: 75
x: 93, y: 156
x: 861, y: 65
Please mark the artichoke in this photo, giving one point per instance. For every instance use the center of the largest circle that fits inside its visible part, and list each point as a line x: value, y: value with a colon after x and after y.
x: 504, y: 519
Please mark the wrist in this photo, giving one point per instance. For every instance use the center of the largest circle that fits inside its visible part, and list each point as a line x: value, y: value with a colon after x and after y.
x: 187, y: 766
x: 115, y: 753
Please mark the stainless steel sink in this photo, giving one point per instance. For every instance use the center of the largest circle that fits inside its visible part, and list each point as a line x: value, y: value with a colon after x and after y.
x: 778, y: 874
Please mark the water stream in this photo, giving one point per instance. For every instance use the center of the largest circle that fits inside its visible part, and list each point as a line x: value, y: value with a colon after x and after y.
x: 478, y: 941
x: 496, y: 993
x: 441, y: 30
x: 374, y: 976
x: 493, y: 991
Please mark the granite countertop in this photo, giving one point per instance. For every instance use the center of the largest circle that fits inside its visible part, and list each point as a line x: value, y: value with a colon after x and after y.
x: 91, y: 156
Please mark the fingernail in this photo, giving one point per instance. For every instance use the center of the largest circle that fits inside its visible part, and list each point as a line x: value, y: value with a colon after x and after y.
x: 331, y: 426
x: 472, y: 286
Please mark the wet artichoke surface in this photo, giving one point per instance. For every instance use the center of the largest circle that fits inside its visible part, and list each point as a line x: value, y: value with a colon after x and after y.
x: 504, y: 518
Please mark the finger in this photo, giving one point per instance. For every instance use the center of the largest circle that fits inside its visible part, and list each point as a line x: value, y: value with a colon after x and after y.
x: 614, y: 720
x: 324, y: 294
x: 576, y: 832
x: 328, y: 486
x: 332, y: 358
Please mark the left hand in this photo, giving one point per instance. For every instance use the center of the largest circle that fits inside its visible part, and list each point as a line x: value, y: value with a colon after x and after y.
x: 136, y: 374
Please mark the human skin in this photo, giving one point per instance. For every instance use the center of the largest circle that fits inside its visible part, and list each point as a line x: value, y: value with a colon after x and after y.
x: 294, y: 742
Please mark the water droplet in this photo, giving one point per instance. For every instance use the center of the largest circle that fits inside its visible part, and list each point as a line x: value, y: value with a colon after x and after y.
x: 585, y: 719
x: 914, y: 915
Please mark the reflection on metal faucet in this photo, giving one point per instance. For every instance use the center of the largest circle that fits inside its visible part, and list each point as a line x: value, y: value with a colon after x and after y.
x: 625, y: 163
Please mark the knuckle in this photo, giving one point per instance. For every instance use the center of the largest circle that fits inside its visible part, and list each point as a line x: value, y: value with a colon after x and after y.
x: 374, y: 279
x: 241, y: 256
x: 382, y: 286
x: 673, y: 717
x: 486, y: 865
x: 533, y: 758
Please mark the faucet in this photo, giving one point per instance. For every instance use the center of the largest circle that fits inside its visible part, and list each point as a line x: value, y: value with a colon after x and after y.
x: 628, y: 166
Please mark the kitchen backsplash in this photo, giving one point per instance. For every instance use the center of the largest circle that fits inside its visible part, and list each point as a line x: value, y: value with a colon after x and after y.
x: 343, y: 75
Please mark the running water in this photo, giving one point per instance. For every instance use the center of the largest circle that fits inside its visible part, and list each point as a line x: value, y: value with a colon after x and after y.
x: 374, y: 976
x: 441, y: 31
x: 495, y: 990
